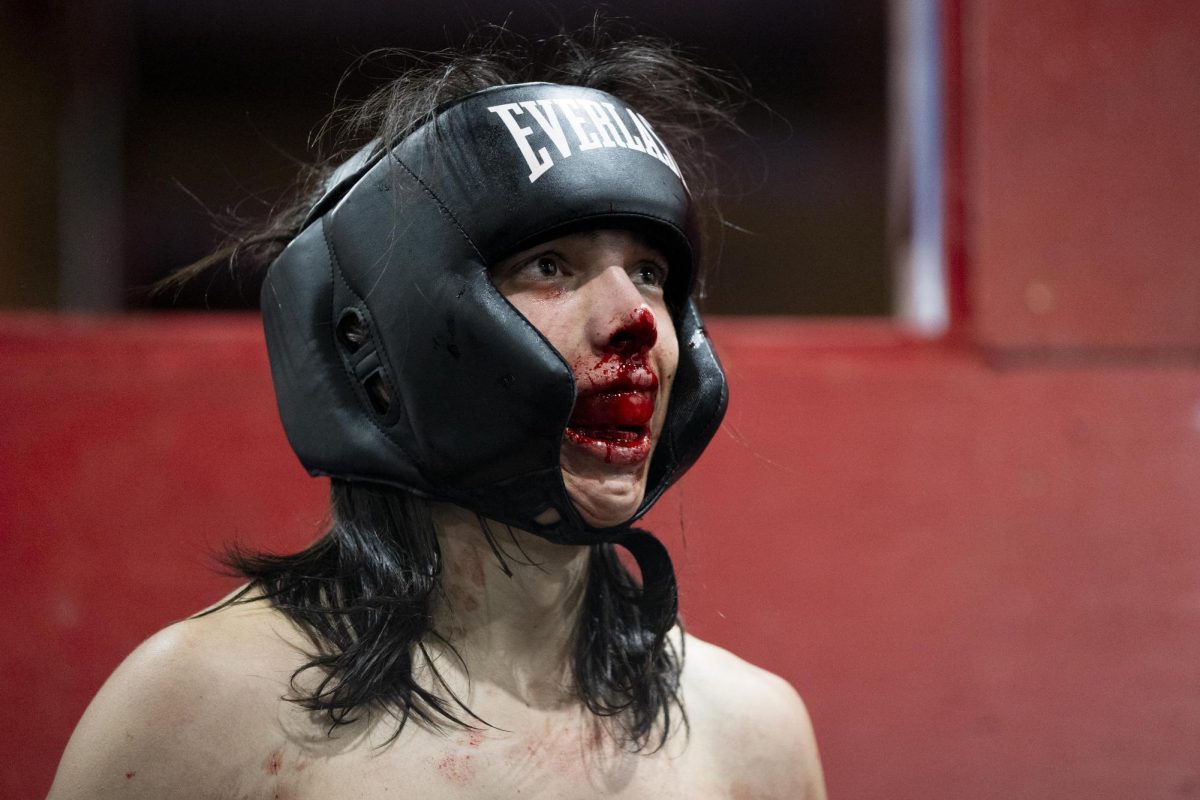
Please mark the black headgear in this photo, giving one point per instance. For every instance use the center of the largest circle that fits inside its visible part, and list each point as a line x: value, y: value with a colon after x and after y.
x: 395, y: 359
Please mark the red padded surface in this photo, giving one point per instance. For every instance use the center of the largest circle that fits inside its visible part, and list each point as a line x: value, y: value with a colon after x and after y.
x: 131, y: 450
x: 984, y: 581
x: 1083, y: 157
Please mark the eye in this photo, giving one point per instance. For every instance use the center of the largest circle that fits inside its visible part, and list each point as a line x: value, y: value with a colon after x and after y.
x: 546, y: 266
x: 651, y: 273
x: 542, y: 267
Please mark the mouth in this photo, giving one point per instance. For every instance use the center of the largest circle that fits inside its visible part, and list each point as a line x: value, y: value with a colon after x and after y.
x: 613, y: 426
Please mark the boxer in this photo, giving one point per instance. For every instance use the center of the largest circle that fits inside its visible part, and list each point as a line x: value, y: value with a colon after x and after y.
x: 481, y: 329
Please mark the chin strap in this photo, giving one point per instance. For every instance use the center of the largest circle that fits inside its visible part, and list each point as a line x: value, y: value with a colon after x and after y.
x: 659, y: 603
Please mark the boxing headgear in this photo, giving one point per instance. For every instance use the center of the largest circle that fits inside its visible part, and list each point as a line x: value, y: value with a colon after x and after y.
x: 396, y: 361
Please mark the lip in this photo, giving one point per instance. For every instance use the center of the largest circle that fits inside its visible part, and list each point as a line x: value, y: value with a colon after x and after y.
x: 612, y: 413
x: 613, y: 426
x: 621, y: 409
x: 616, y: 373
x: 612, y: 445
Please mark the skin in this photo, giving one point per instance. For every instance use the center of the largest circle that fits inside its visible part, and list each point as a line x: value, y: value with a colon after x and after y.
x: 591, y: 295
x: 198, y: 709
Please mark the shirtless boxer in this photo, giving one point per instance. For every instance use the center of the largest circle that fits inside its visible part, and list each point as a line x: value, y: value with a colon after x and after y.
x: 482, y: 330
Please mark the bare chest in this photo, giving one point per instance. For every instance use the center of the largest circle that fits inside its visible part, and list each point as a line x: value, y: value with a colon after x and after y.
x: 550, y: 761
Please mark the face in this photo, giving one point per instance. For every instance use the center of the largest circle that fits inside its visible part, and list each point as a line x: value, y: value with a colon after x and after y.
x: 597, y: 297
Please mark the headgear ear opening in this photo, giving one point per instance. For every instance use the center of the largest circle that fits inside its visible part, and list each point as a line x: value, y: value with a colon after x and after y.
x: 361, y: 359
x: 396, y: 361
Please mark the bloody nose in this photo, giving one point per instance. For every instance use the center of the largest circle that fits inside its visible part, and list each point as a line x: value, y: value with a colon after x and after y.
x: 636, y: 334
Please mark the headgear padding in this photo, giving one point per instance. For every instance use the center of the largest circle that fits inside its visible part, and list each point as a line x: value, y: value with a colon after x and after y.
x: 446, y: 389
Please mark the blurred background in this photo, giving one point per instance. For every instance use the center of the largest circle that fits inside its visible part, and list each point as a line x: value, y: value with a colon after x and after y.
x: 129, y: 125
x: 954, y: 500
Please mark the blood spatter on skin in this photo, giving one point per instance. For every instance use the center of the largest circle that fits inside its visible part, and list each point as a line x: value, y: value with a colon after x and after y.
x: 594, y: 740
x: 640, y: 328
x: 555, y: 749
x: 273, y: 762
x: 626, y: 348
x: 623, y: 370
x: 614, y: 372
x: 475, y: 567
x: 461, y: 598
x: 456, y: 769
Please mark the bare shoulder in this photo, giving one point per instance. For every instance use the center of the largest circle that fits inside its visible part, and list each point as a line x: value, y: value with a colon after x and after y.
x: 755, y: 722
x: 182, y: 711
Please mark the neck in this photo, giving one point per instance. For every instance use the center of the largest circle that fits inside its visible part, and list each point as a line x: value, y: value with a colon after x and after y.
x: 514, y: 633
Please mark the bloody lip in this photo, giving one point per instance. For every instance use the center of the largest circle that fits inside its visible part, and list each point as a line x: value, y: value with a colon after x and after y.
x: 613, y: 409
x: 611, y: 418
x: 615, y: 373
x: 612, y: 445
x: 613, y: 425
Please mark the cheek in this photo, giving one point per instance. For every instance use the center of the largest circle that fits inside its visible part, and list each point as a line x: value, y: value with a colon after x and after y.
x: 548, y: 294
x: 667, y: 347
x: 557, y: 320
x: 666, y: 362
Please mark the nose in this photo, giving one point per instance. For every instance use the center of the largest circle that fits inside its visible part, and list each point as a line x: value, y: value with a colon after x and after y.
x: 636, y: 333
x: 623, y: 322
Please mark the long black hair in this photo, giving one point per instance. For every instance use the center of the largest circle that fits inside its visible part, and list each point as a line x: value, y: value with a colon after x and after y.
x: 365, y: 592
x: 365, y: 595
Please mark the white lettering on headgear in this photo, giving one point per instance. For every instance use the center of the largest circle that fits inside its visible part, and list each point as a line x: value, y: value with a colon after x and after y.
x: 593, y: 125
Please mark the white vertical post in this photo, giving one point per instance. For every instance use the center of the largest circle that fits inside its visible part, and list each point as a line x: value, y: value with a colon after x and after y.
x: 915, y: 208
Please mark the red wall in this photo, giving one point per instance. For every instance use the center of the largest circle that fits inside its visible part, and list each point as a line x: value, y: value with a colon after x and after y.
x: 979, y: 559
x: 984, y: 579
x: 1083, y: 173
